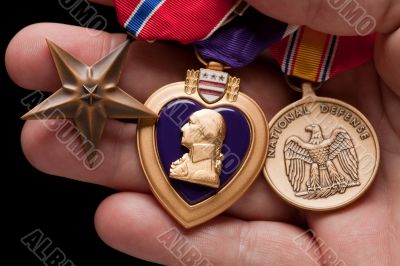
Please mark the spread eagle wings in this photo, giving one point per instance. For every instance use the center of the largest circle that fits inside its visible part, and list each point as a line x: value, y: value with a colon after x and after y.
x: 296, y: 153
x: 296, y: 156
x: 342, y: 147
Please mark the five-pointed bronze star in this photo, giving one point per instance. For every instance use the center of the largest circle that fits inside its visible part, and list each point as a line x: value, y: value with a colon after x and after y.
x: 89, y: 95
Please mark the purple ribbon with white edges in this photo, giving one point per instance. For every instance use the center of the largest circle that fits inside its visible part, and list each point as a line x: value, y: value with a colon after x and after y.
x: 239, y: 42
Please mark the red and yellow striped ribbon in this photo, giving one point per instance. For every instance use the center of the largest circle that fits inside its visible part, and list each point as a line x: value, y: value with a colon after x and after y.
x: 316, y: 56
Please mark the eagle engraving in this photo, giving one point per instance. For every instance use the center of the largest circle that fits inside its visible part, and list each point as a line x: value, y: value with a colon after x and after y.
x: 323, y: 155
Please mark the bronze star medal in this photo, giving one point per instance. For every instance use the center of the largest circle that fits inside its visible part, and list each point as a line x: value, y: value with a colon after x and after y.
x: 89, y: 95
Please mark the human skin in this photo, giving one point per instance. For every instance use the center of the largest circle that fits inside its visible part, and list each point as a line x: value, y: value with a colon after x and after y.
x: 260, y: 228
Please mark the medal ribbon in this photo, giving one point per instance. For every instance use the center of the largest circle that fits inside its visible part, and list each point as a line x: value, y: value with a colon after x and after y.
x: 185, y: 21
x: 316, y: 56
x: 238, y: 43
x: 301, y: 52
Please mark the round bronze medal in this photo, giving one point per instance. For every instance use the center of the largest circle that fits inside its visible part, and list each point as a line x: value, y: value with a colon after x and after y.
x: 323, y: 153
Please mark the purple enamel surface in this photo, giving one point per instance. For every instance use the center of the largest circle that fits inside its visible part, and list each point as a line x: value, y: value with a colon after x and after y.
x: 172, y: 117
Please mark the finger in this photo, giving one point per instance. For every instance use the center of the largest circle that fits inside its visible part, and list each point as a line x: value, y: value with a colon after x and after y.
x: 134, y: 224
x: 260, y: 203
x: 30, y: 65
x: 28, y: 59
x: 370, y: 226
x: 49, y: 149
x: 387, y: 56
x: 366, y: 227
x: 334, y: 16
x: 46, y: 148
x: 56, y: 149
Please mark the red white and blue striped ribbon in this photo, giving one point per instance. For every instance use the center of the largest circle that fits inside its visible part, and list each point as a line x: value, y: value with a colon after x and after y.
x: 185, y: 21
x: 302, y: 52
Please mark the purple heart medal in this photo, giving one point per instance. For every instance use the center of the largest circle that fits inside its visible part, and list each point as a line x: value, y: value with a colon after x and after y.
x: 209, y: 142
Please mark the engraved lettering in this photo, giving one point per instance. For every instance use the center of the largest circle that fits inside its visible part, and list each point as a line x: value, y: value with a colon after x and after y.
x: 347, y: 117
x: 273, y: 143
x: 322, y: 155
x: 271, y: 153
x: 299, y: 113
x: 306, y: 111
x: 365, y: 136
x: 324, y: 108
x: 274, y: 136
x: 272, y: 147
x: 340, y: 112
x: 361, y: 129
x: 282, y: 124
x: 275, y: 133
x: 290, y: 117
x: 354, y: 122
x: 334, y: 110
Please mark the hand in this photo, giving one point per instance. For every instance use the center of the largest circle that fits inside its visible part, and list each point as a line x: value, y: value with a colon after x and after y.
x: 260, y: 228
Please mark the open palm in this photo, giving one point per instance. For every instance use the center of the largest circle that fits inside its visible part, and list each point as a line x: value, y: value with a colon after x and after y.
x: 260, y: 229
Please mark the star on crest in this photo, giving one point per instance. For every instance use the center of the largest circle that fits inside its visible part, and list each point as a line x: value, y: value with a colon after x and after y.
x: 90, y: 94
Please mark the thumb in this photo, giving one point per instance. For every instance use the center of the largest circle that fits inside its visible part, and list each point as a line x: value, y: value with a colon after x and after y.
x: 340, y: 17
x: 142, y: 229
x: 387, y: 58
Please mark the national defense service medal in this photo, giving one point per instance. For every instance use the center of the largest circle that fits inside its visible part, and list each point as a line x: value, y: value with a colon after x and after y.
x: 323, y: 153
x: 207, y: 146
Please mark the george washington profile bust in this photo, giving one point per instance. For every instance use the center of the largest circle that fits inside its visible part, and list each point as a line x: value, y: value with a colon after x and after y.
x: 203, y: 135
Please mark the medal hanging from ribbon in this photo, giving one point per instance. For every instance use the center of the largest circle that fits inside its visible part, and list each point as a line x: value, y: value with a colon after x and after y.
x: 202, y: 142
x: 323, y: 153
x: 89, y: 94
x: 210, y: 140
x: 196, y: 156
x: 177, y: 175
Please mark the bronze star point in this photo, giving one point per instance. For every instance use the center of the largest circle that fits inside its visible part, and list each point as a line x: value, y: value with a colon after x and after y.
x: 68, y: 101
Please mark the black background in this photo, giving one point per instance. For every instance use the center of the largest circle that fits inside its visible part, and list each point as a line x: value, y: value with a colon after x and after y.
x: 62, y: 209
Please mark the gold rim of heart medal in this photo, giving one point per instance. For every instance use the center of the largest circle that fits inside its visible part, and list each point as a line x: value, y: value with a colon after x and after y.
x: 202, y: 172
x: 323, y: 154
